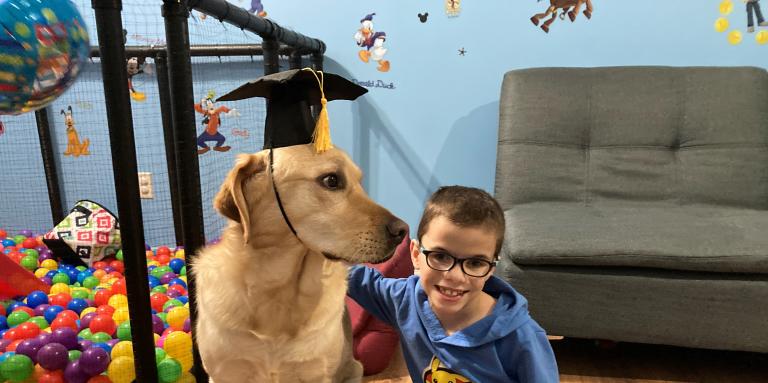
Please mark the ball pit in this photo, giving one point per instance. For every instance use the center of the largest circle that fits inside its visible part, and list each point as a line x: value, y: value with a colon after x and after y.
x: 80, y: 331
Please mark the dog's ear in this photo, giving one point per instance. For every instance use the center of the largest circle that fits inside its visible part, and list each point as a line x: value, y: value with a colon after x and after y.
x: 230, y: 201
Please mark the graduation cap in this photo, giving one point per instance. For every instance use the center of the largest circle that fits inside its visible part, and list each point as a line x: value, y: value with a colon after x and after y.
x: 289, y: 95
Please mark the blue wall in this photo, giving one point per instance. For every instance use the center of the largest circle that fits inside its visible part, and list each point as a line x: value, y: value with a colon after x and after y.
x: 438, y: 123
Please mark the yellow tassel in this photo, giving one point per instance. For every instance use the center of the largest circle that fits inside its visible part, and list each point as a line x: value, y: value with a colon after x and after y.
x: 322, y: 134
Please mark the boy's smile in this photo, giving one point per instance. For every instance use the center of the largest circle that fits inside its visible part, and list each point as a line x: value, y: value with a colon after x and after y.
x: 455, y: 297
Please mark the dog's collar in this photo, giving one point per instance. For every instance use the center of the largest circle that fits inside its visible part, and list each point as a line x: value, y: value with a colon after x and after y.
x: 277, y: 195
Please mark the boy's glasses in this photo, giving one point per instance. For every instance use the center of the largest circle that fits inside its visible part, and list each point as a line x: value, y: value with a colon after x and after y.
x: 441, y: 261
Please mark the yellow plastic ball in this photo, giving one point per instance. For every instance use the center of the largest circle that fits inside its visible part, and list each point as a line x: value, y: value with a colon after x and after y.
x: 120, y: 315
x: 121, y: 370
x: 124, y: 348
x: 762, y: 37
x: 49, y: 264
x: 721, y: 24
x: 153, y: 263
x: 156, y: 338
x: 118, y: 300
x: 726, y: 7
x: 178, y: 345
x: 60, y: 288
x: 180, y: 254
x: 186, y: 377
x: 734, y: 37
x: 176, y: 317
x: 39, y: 273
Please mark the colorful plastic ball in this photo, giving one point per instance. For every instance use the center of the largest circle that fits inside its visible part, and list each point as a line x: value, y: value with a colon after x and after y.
x: 94, y: 361
x: 160, y: 355
x: 85, y: 334
x: 74, y: 373
x: 101, y: 297
x: 60, y: 299
x: 99, y: 379
x: 77, y: 305
x: 51, y: 377
x: 66, y: 336
x: 122, y: 348
x: 51, y: 312
x: 3, y: 322
x: 177, y: 316
x: 29, y: 262
x: 46, y: 50
x: 28, y: 330
x: 74, y: 355
x: 39, y: 321
x: 169, y: 370
x: 90, y: 282
x: 61, y: 278
x: 121, y: 370
x: 15, y: 305
x: 17, y: 368
x: 178, y: 345
x: 7, y: 242
x: 37, y: 298
x: 100, y: 337
x: 64, y: 322
x: 53, y: 356
x: 3, y: 234
x: 29, y: 347
x: 121, y: 315
x: 17, y: 317
x: 124, y: 331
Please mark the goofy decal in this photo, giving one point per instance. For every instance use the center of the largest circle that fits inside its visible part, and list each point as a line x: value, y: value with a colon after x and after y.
x: 212, y: 121
x: 437, y: 373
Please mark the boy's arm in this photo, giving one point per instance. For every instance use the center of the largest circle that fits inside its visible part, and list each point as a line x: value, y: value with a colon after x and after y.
x: 376, y: 294
x: 535, y: 361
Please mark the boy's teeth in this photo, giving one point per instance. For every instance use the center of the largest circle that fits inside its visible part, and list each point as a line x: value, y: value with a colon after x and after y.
x: 450, y: 292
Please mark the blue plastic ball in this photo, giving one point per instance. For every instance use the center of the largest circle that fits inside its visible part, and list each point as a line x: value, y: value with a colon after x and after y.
x: 50, y: 313
x: 176, y: 265
x: 3, y: 322
x: 45, y: 45
x: 153, y: 282
x: 36, y: 298
x: 77, y: 305
x: 177, y: 281
x: 8, y: 242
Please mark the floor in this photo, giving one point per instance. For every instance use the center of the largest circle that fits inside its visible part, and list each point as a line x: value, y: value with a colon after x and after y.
x: 585, y: 361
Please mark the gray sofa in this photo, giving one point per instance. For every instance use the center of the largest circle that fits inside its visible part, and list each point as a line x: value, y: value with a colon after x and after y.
x: 636, y: 201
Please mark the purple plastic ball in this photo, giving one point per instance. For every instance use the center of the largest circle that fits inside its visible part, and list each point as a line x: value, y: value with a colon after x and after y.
x: 47, y: 281
x: 84, y: 344
x: 113, y: 342
x: 94, y: 361
x: 29, y: 347
x: 44, y: 338
x: 74, y: 373
x: 167, y: 277
x: 40, y: 309
x: 85, y: 321
x: 157, y: 325
x: 53, y: 356
x: 109, y: 269
x: 187, y: 325
x: 26, y: 233
x: 66, y: 336
x: 173, y: 294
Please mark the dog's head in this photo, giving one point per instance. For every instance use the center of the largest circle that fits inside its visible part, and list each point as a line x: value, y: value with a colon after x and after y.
x: 322, y: 197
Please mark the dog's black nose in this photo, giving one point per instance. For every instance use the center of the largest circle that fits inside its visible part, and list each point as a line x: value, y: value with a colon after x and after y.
x: 397, y: 229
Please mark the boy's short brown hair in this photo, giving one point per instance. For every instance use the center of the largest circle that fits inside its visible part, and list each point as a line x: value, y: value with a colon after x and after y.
x: 465, y: 207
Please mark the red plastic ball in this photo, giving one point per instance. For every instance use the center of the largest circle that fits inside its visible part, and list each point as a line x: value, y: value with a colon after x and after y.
x: 64, y: 321
x: 163, y: 259
x: 105, y: 310
x: 3, y: 311
x: 26, y: 309
x: 98, y: 265
x: 163, y: 250
x: 119, y: 266
x: 13, y: 345
x: 118, y: 287
x: 52, y: 377
x: 29, y: 243
x: 28, y: 330
x: 16, y: 256
x: 3, y: 234
x: 11, y: 334
x: 99, y: 379
x: 68, y: 314
x: 101, y: 297
x: 103, y: 323
x: 60, y: 299
x: 157, y: 300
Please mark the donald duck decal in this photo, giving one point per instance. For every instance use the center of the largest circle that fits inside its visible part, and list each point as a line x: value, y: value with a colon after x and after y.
x: 373, y: 42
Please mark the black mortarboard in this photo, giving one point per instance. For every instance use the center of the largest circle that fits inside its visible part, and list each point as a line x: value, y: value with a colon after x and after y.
x: 289, y: 95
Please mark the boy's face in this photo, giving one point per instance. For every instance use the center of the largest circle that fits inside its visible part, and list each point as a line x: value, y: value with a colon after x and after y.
x: 453, y: 292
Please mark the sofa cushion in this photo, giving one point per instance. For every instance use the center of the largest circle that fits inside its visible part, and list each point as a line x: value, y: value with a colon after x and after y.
x: 666, y: 236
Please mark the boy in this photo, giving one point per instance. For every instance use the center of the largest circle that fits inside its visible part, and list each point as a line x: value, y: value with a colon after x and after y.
x: 457, y: 322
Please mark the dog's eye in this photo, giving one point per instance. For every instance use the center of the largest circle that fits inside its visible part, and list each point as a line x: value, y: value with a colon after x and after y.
x: 331, y: 181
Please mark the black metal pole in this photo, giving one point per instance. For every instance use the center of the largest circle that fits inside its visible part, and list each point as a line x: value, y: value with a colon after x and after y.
x: 176, y: 13
x: 109, y: 26
x: 166, y: 115
x: 295, y: 60
x: 241, y: 18
x: 49, y: 164
x: 317, y: 61
x: 271, y: 55
x: 200, y: 50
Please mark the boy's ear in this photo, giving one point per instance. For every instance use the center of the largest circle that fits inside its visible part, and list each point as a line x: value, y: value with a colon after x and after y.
x: 231, y: 201
x: 415, y: 252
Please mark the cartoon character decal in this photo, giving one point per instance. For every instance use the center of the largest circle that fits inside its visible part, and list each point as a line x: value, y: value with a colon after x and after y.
x: 569, y: 7
x: 134, y: 66
x: 735, y: 36
x: 438, y: 373
x: 257, y: 8
x: 373, y: 42
x: 212, y: 122
x: 75, y: 147
x: 452, y: 8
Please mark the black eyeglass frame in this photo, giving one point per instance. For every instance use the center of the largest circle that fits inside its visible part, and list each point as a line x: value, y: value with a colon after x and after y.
x: 460, y: 261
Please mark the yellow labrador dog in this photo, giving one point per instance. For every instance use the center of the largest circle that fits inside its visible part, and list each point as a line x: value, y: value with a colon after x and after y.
x: 271, y: 303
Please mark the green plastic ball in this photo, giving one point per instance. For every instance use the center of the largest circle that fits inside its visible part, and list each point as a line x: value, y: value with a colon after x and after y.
x: 19, y: 239
x: 119, y: 255
x: 39, y: 321
x: 159, y: 289
x: 86, y: 334
x: 124, y: 331
x: 81, y: 268
x: 90, y: 282
x: 159, y: 355
x: 31, y: 252
x: 168, y: 370
x: 183, y: 270
x: 17, y: 368
x: 16, y: 318
x: 74, y: 355
x: 61, y: 278
x: 100, y: 337
x: 29, y: 262
x: 80, y: 293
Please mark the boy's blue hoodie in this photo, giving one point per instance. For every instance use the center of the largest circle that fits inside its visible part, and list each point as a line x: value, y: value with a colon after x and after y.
x: 506, y: 346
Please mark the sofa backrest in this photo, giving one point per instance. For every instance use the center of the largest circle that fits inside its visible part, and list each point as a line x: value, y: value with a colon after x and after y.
x: 685, y: 135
